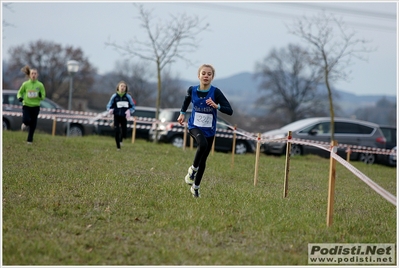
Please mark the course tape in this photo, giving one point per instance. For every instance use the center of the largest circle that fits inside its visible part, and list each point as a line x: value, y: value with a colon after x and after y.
x: 352, y: 148
x: 82, y: 119
x: 101, y: 118
x: 55, y: 110
x: 385, y: 194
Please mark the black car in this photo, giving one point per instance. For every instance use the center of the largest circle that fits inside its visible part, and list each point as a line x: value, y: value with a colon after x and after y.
x: 170, y: 131
x: 144, y: 116
x: 12, y: 117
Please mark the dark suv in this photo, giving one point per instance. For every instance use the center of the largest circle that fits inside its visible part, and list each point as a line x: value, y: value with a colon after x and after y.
x: 12, y: 116
x: 170, y: 131
x: 145, y: 117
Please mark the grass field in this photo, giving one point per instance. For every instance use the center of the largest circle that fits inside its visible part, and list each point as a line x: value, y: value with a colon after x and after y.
x: 78, y: 201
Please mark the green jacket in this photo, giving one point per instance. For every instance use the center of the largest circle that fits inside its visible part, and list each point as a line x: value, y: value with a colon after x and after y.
x: 29, y: 91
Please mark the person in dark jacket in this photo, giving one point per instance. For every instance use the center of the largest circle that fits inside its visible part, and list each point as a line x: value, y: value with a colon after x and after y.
x: 206, y: 101
x: 121, y: 105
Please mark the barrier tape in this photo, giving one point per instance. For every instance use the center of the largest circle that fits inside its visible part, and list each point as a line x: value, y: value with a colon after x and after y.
x: 87, y: 118
x: 305, y: 142
x: 250, y: 136
x: 54, y: 110
x: 381, y: 191
x: 353, y: 148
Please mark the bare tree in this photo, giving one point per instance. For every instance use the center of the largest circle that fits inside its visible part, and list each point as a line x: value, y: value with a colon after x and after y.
x: 137, y: 77
x: 7, y: 6
x: 290, y: 82
x: 382, y: 113
x: 166, y: 43
x: 50, y: 60
x: 171, y: 92
x: 333, y: 47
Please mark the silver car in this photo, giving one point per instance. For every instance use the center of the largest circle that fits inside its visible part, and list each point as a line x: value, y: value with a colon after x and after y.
x: 347, y: 132
x: 12, y: 116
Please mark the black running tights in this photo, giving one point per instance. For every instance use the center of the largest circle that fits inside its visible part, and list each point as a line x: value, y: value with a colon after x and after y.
x: 204, y: 146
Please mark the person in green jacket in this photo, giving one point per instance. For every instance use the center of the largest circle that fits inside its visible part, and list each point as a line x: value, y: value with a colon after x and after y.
x: 31, y: 93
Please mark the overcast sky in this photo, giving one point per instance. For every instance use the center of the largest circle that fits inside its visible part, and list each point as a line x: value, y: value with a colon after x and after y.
x: 240, y: 35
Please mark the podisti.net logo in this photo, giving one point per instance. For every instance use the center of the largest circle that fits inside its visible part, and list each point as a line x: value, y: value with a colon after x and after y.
x: 372, y: 254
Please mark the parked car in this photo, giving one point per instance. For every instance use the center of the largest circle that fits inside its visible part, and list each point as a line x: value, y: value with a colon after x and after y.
x: 170, y: 131
x: 317, y: 129
x: 48, y: 107
x: 392, y: 157
x: 390, y: 136
x: 145, y: 117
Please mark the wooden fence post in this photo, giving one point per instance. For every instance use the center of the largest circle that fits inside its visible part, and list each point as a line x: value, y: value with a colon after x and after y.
x: 287, y: 163
x: 54, y: 126
x: 233, y: 149
x: 134, y: 129
x: 213, y: 146
x: 348, y: 154
x: 331, y: 185
x: 184, y: 136
x: 257, y: 160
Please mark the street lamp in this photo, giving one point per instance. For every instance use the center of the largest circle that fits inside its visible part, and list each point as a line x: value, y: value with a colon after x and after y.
x: 73, y: 68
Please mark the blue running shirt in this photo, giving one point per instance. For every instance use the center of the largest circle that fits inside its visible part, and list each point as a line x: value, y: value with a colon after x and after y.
x: 203, y: 116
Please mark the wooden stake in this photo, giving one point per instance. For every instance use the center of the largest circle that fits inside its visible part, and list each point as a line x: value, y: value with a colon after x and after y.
x: 348, y: 154
x: 184, y: 136
x: 213, y: 146
x: 54, y: 126
x: 233, y: 149
x: 257, y: 160
x: 134, y: 129
x: 287, y: 163
x: 331, y: 186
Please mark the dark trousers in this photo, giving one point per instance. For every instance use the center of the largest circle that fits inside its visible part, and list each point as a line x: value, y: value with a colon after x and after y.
x: 29, y: 118
x: 204, y: 146
x: 120, y: 126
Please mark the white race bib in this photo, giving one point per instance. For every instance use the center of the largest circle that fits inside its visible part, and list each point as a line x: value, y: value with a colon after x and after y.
x: 32, y: 94
x: 203, y: 120
x: 122, y: 104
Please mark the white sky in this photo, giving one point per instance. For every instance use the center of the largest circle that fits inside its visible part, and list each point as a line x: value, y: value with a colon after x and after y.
x: 240, y: 35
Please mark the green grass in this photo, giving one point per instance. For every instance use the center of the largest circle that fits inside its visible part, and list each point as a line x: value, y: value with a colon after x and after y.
x: 78, y: 201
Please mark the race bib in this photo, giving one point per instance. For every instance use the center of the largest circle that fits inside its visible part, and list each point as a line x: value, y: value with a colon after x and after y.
x: 203, y: 120
x: 32, y: 94
x: 122, y: 104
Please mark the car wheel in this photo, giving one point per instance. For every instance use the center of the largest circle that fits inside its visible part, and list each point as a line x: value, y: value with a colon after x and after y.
x: 75, y: 131
x: 241, y: 147
x: 367, y: 158
x: 5, y: 125
x: 296, y: 150
x: 177, y: 141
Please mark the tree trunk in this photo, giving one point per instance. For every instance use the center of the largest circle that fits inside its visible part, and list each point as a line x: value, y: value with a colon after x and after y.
x: 158, y: 104
x: 332, y: 127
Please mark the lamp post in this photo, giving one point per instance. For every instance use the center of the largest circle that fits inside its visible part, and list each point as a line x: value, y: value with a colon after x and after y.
x: 73, y: 68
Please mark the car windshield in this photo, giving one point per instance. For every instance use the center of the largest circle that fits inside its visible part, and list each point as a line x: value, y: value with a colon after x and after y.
x: 49, y: 105
x: 171, y: 116
x: 298, y: 124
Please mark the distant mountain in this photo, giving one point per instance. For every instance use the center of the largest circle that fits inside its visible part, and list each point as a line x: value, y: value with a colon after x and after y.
x: 242, y: 89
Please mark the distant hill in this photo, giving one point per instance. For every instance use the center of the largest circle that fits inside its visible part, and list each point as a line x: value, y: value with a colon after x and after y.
x: 242, y: 89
